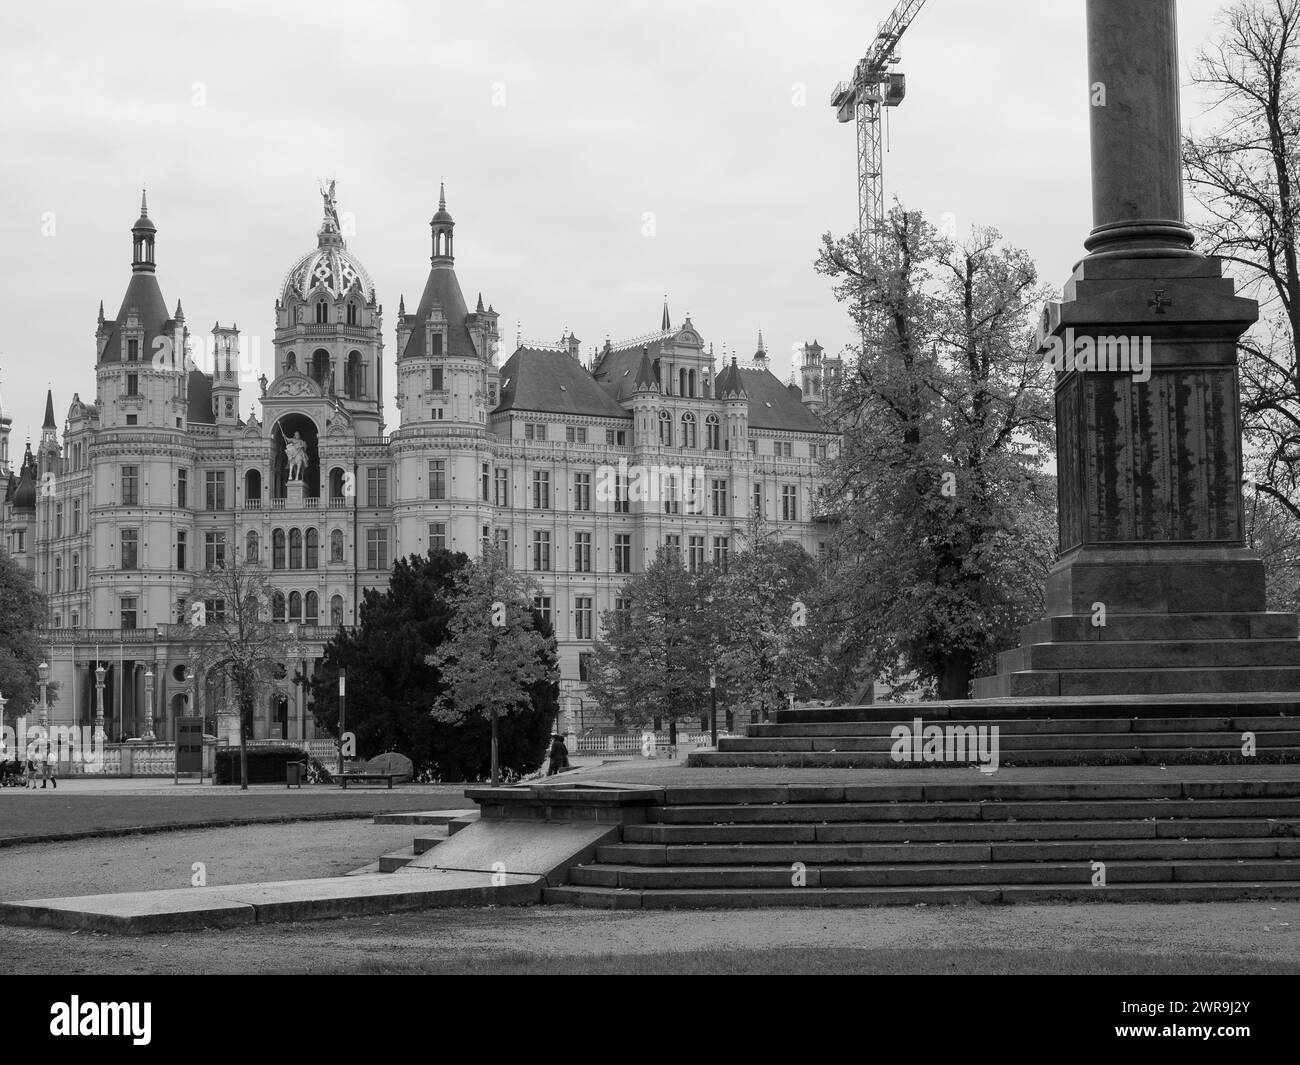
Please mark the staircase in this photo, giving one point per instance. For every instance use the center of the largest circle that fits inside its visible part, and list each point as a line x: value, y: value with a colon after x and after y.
x: 978, y: 840
x: 440, y: 825
x: 1149, y: 730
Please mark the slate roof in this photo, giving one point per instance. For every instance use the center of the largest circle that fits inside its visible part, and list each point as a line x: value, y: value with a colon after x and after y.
x: 146, y: 297
x: 553, y: 382
x: 444, y: 289
x: 774, y: 406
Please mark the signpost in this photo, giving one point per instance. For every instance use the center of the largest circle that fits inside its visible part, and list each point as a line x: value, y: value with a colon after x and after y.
x: 189, y: 747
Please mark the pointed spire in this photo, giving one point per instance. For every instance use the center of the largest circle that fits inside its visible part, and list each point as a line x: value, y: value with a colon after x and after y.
x: 180, y: 314
x: 50, y: 423
x: 760, y: 343
x: 144, y: 202
x: 479, y: 308
x: 645, y: 374
x: 667, y: 322
x: 101, y: 312
x: 442, y: 196
x: 401, y: 305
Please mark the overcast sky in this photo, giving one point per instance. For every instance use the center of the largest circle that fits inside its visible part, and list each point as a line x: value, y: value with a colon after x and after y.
x: 557, y: 126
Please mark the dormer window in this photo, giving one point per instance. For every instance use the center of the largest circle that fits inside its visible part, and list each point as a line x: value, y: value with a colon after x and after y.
x: 435, y: 343
x: 133, y: 350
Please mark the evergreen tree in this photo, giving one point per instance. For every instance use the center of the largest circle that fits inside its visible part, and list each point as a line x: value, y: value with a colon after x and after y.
x: 22, y: 616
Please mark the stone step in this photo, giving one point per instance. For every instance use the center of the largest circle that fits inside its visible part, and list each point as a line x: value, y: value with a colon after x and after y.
x: 1009, y: 744
x: 390, y: 863
x: 426, y: 841
x: 733, y: 898
x: 1139, y: 681
x: 1209, y: 703
x: 979, y: 789
x: 1062, y: 756
x: 962, y: 831
x: 458, y: 818
x: 1270, y: 626
x: 764, y: 877
x: 1009, y: 727
x: 943, y: 852
x: 1149, y: 654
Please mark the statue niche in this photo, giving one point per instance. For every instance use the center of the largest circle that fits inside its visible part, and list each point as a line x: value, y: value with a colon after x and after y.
x: 294, y: 451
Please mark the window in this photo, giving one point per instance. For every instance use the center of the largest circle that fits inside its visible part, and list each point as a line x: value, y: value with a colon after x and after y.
x: 541, y: 551
x: 130, y: 548
x: 58, y: 519
x: 295, y: 607
x: 582, y: 552
x: 214, y: 550
x: 76, y: 619
x: 665, y: 428
x: 250, y: 547
x: 484, y: 538
x: 688, y: 430
x: 214, y: 610
x: 438, y: 536
x: 582, y: 491
x: 312, y: 542
x: 336, y: 545
x: 295, y: 549
x: 787, y: 450
x: 76, y: 574
x: 58, y: 575
x: 789, y: 503
x: 584, y: 665
x: 311, y: 608
x: 182, y: 481
x: 623, y: 553
x: 753, y: 447
x: 322, y: 311
x: 622, y: 500
x: 130, y: 486
x: 376, y: 486
x: 719, y: 498
x: 502, y: 491
x: 277, y: 549
x: 132, y: 419
x: 436, y: 413
x: 352, y: 314
x: 133, y: 350
x: 377, y: 549
x: 541, y: 490
x: 485, y: 483
x: 542, y: 604
x: 336, y: 610
x: 721, y: 549
x: 215, y: 490
x: 582, y: 620
x: 672, y: 494
x: 501, y: 539
x: 127, y: 608
x: 673, y: 543
x: 616, y: 436
x: 181, y: 543
x: 133, y: 384
x: 437, y: 478
x: 435, y: 342
x: 435, y: 379
x: 575, y: 434
x: 277, y: 606
x: 623, y: 609
x: 758, y: 501
x: 76, y: 516
x: 534, y: 430
x: 18, y: 541
x: 712, y: 433
x: 695, y: 554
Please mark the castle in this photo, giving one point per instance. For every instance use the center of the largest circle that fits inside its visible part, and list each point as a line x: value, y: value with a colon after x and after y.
x: 579, y: 472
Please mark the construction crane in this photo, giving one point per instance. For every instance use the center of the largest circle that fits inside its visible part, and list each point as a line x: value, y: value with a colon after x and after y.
x: 872, y: 87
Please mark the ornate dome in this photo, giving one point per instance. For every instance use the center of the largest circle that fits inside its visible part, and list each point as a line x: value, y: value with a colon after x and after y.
x: 330, y: 266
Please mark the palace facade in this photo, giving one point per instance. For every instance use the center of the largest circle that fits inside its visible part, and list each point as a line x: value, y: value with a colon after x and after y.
x: 578, y: 470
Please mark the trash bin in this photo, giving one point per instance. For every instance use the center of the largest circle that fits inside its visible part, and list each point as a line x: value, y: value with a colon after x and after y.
x: 293, y: 774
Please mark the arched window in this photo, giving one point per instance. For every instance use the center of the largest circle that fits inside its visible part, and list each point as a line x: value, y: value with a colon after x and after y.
x: 251, y: 547
x: 665, y: 428
x: 58, y: 574
x: 320, y: 367
x: 352, y: 314
x: 322, y: 311
x: 336, y: 545
x: 336, y: 483
x: 690, y: 380
x: 353, y: 377
x: 712, y: 433
x: 295, y: 606
x: 295, y: 549
x: 336, y: 610
x: 277, y: 549
x: 252, y: 486
x: 76, y: 571
x: 290, y: 362
x: 313, y: 545
x: 688, y: 430
x: 311, y: 609
x: 277, y: 606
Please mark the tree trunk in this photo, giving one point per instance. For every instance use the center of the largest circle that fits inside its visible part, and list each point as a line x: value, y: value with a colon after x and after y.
x: 955, y: 678
x: 672, y: 732
x: 245, y: 709
x: 495, y: 774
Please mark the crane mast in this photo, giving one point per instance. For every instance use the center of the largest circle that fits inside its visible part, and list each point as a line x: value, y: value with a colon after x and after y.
x: 872, y: 87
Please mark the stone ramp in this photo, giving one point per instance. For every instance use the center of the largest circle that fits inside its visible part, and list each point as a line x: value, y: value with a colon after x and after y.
x: 221, y: 906
x: 533, y: 848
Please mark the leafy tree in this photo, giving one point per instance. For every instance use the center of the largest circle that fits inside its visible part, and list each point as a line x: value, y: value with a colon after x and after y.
x: 234, y: 638
x: 22, y: 616
x: 653, y: 660
x: 494, y: 654
x: 1245, y: 174
x: 946, y: 515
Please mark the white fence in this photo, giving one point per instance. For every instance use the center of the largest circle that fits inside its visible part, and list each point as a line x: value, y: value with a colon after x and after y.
x: 630, y: 744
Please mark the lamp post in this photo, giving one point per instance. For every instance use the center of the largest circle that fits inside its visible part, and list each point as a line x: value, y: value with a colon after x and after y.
x: 148, y: 737
x: 343, y: 677
x: 100, y: 673
x: 43, y: 672
x: 713, y: 706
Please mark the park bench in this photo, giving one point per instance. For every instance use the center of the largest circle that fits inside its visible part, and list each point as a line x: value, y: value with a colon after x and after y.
x: 366, y: 776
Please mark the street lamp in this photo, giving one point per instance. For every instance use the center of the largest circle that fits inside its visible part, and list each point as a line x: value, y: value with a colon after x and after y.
x: 149, y: 737
x: 43, y: 671
x: 713, y: 706
x: 100, y: 674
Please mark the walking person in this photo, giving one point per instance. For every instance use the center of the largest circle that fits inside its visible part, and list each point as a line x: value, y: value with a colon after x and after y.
x: 559, y: 755
x: 49, y: 768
